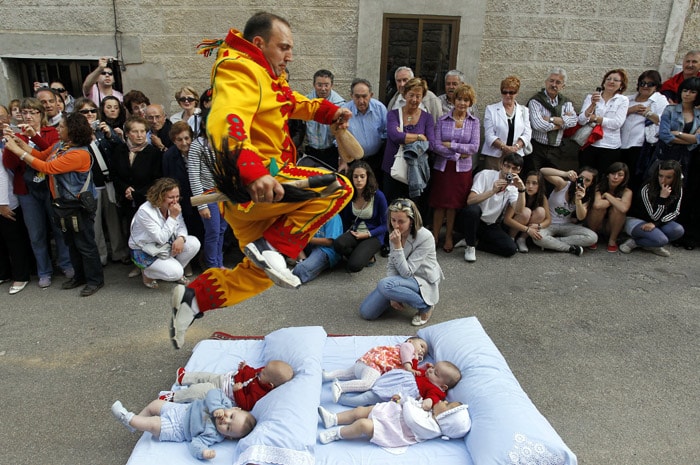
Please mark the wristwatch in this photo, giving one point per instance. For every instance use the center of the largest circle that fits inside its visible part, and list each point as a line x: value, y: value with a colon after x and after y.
x: 551, y: 119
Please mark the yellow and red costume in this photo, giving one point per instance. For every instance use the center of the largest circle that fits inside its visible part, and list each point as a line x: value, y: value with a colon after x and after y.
x: 250, y: 108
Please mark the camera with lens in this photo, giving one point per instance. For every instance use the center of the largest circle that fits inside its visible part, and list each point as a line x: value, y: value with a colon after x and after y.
x: 95, y: 124
x: 509, y: 178
x: 579, y: 181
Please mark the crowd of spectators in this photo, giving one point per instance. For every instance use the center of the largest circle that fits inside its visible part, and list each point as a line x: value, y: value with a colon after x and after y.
x: 498, y: 184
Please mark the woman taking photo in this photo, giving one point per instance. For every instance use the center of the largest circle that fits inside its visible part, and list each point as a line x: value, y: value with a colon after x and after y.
x: 506, y: 127
x: 607, y: 107
x: 33, y: 193
x: 535, y: 215
x: 160, y: 245
x: 414, y: 129
x: 114, y: 114
x: 413, y: 273
x: 610, y: 205
x: 68, y: 163
x: 456, y: 141
x: 650, y: 223
x: 364, y: 219
x: 104, y: 139
x: 568, y: 207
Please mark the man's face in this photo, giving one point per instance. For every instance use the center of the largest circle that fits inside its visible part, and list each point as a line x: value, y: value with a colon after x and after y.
x: 106, y: 77
x: 691, y: 65
x: 508, y: 168
x: 451, y: 83
x: 402, y: 78
x: 155, y: 117
x: 323, y: 86
x: 361, y: 96
x: 277, y: 50
x: 554, y: 84
x: 48, y: 100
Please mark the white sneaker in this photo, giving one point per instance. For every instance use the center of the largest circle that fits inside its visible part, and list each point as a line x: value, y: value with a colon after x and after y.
x: 183, y: 315
x: 660, y: 251
x: 123, y: 415
x: 628, y: 246
x: 330, y: 419
x: 470, y: 254
x: 521, y: 242
x: 272, y: 263
x: 336, y: 390
x: 329, y: 435
x: 460, y: 243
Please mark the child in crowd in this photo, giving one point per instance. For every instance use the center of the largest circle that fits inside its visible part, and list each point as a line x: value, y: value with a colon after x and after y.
x: 535, y: 215
x: 374, y: 363
x: 244, y: 387
x: 610, y: 204
x: 431, y: 385
x: 203, y: 423
x: 398, y: 423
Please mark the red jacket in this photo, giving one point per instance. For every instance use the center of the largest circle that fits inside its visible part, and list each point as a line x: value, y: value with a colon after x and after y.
x: 47, y: 137
x: 246, y: 397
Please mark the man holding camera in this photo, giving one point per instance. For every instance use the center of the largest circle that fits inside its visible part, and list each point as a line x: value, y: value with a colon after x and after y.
x: 100, y: 83
x: 481, y: 219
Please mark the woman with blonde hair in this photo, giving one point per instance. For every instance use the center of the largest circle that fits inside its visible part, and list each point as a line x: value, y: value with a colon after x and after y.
x: 188, y: 99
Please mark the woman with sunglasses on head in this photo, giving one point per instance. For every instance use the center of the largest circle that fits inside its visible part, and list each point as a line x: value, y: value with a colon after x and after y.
x: 32, y: 190
x: 608, y: 108
x: 104, y: 141
x: 413, y: 272
x: 506, y: 127
x: 640, y: 132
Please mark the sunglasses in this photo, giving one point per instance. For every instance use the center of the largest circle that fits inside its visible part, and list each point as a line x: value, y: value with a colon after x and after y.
x: 186, y: 99
x: 646, y: 84
x: 508, y: 92
x: 398, y: 204
x: 59, y: 89
x: 86, y: 111
x: 107, y: 73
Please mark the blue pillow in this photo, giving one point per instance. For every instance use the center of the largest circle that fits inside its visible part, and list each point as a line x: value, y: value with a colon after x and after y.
x: 287, y: 420
x: 506, y: 428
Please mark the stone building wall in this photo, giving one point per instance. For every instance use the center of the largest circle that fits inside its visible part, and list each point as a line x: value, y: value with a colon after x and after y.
x: 498, y: 38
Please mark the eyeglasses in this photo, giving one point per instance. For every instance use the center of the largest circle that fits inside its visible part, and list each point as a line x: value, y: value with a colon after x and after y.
x: 30, y: 112
x: 141, y: 107
x: 107, y: 73
x: 59, y: 89
x: 85, y: 111
x: 399, y: 204
x: 153, y: 117
x: 186, y: 99
x: 612, y: 80
x: 508, y: 92
x: 646, y: 84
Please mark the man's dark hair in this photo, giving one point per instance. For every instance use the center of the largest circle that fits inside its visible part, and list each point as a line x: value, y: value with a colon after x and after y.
x: 78, y: 128
x: 357, y: 81
x: 47, y: 89
x: 323, y: 73
x: 260, y: 24
x: 514, y: 159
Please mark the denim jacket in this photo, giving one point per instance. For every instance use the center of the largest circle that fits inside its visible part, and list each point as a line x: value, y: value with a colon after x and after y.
x: 672, y: 120
x: 418, y: 167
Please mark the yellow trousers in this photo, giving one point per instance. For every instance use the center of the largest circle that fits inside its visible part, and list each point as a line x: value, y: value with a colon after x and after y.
x: 286, y: 226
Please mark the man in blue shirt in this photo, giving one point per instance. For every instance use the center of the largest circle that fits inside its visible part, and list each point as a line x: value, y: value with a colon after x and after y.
x: 368, y: 124
x: 320, y: 254
x: 320, y: 143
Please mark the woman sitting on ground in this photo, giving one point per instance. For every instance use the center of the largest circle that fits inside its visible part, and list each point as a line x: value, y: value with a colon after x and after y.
x: 364, y: 219
x: 160, y: 245
x: 568, y: 206
x: 611, y: 203
x: 413, y: 274
x: 651, y: 222
x: 534, y: 217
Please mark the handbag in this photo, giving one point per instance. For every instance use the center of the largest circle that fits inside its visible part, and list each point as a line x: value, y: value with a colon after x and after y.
x: 581, y: 135
x: 588, y: 134
x: 399, y: 169
x: 109, y: 185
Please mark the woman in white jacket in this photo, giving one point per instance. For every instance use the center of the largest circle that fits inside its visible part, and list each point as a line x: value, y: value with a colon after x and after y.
x: 159, y: 242
x: 506, y: 126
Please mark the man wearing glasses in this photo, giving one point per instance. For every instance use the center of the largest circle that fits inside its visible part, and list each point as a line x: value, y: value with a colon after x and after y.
x: 100, y: 83
x: 160, y: 127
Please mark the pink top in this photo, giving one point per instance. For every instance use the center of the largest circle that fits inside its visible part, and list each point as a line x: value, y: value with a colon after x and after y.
x: 386, y: 358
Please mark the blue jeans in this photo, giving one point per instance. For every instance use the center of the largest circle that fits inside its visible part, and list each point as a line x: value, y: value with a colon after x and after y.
x: 659, y: 236
x: 214, y: 230
x: 38, y: 216
x: 397, y: 288
x: 315, y: 263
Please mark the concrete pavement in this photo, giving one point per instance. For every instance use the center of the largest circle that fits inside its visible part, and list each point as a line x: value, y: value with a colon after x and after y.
x: 606, y: 345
